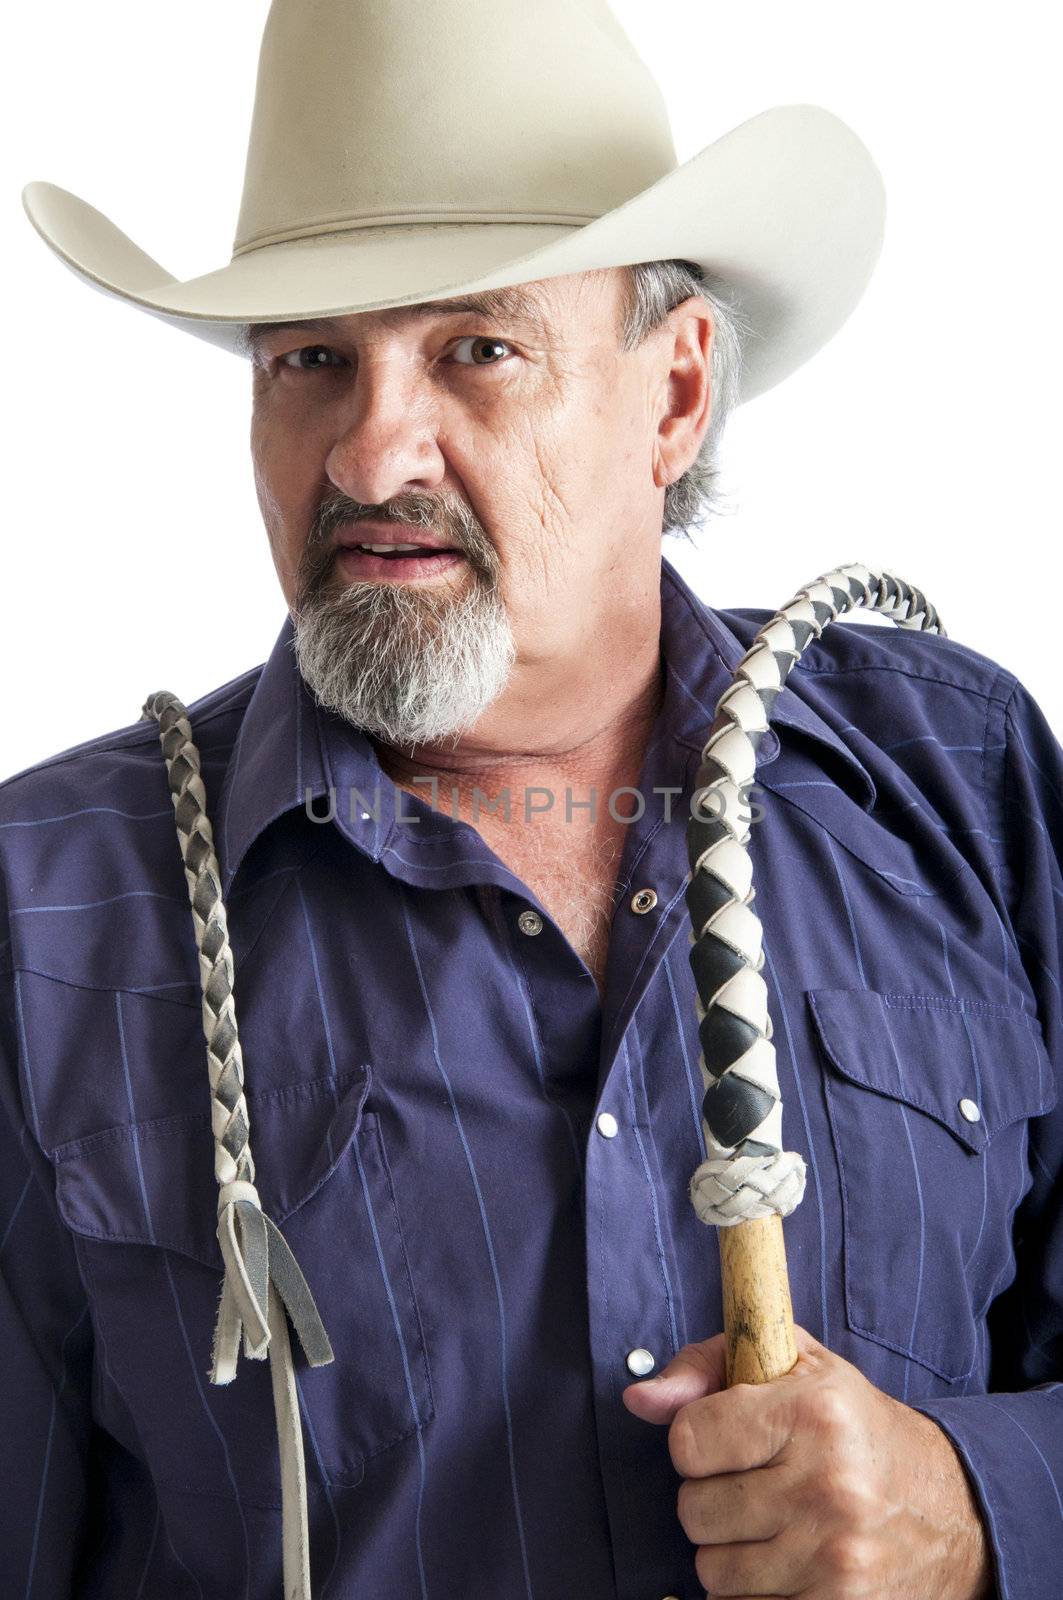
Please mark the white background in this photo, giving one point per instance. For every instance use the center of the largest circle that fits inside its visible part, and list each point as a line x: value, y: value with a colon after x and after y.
x: 924, y: 438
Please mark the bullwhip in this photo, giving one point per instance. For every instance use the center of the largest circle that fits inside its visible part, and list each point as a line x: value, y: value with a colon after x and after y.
x: 747, y: 1182
x: 262, y: 1278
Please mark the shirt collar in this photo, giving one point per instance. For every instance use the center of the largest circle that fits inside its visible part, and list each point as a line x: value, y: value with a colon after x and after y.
x: 289, y: 752
x: 694, y: 634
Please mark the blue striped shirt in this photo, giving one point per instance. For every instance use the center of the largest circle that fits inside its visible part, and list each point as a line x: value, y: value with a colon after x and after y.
x: 424, y: 1081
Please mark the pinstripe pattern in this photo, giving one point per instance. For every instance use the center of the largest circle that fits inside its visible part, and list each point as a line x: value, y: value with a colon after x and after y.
x: 916, y: 1182
x: 218, y: 1432
x: 823, y: 1332
x: 151, y: 1552
x: 536, y: 1046
x: 424, y: 1081
x: 35, y: 1583
x: 651, y: 1191
x: 503, y: 1359
x: 389, y: 1290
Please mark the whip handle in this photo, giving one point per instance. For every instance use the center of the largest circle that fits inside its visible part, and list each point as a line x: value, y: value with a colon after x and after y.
x: 758, y: 1318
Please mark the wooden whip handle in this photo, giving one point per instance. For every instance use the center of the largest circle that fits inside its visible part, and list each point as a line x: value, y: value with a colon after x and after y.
x: 758, y: 1318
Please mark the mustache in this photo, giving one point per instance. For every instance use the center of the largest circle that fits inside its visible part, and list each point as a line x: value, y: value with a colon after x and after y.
x: 456, y: 521
x: 412, y: 510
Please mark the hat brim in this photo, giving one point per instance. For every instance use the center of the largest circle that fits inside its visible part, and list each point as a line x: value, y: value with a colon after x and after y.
x: 786, y: 211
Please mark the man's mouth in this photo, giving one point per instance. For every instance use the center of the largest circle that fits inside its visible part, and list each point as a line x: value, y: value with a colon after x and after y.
x: 396, y: 560
x: 393, y: 550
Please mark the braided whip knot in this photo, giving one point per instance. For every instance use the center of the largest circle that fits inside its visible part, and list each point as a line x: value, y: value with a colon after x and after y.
x: 747, y: 1174
x: 730, y: 1189
x: 258, y: 1260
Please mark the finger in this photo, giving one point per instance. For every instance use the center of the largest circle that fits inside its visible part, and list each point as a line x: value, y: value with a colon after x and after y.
x: 769, y: 1567
x: 735, y: 1506
x: 694, y: 1372
x: 735, y: 1431
x: 738, y: 1429
x: 806, y: 1345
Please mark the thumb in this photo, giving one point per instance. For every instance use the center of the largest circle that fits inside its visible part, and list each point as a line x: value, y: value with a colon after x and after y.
x: 695, y: 1371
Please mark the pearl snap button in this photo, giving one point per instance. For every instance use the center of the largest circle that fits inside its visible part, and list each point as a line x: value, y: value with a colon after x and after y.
x: 607, y: 1125
x: 530, y: 922
x: 969, y: 1110
x: 644, y: 901
x: 639, y: 1362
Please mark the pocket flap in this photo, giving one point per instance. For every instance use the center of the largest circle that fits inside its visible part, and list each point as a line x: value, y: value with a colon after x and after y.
x: 935, y: 1052
x: 153, y: 1182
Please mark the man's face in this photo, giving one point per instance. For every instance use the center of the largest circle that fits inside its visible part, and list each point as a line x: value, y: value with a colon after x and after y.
x: 522, y: 441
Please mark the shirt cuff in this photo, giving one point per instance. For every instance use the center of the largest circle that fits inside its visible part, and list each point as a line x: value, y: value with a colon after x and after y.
x: 1012, y: 1448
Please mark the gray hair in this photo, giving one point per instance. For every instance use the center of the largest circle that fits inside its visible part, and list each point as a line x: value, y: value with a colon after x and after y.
x: 654, y: 289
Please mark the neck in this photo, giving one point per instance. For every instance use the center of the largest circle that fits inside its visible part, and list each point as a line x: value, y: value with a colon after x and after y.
x: 536, y: 737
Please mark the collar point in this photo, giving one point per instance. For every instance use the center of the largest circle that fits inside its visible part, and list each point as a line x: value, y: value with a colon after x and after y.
x: 768, y: 747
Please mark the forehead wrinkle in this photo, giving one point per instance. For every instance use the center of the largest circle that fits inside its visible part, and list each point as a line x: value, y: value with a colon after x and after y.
x: 509, y: 302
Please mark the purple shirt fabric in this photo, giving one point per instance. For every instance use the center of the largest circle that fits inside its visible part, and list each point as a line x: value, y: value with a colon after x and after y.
x: 424, y: 1080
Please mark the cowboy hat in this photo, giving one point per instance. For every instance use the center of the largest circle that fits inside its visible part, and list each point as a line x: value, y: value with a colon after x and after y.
x: 405, y: 150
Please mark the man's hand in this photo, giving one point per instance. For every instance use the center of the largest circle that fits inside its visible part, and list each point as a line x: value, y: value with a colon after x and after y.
x: 818, y: 1484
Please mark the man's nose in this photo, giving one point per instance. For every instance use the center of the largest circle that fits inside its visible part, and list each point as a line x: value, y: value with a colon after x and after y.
x: 388, y: 443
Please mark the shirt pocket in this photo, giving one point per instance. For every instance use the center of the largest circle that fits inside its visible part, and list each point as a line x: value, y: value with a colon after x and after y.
x: 929, y: 1098
x: 142, y: 1199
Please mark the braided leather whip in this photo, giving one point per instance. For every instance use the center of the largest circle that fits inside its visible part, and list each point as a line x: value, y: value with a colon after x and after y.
x: 747, y: 1175
x: 748, y: 1182
x: 262, y: 1277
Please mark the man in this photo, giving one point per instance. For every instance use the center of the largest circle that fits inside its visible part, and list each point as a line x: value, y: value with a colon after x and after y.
x: 449, y: 819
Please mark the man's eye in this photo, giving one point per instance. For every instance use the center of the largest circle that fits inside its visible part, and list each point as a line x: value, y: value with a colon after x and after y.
x: 483, y: 345
x: 314, y: 354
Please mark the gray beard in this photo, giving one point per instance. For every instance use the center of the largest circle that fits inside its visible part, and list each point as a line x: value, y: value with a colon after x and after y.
x: 407, y: 663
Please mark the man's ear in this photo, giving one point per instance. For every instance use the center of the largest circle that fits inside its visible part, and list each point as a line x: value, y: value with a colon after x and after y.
x: 686, y: 389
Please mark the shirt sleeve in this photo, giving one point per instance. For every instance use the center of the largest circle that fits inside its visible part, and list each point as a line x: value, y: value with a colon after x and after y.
x: 1011, y: 1439
x: 45, y: 1356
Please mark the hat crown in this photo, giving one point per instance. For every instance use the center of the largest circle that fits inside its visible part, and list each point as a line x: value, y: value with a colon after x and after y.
x: 376, y: 113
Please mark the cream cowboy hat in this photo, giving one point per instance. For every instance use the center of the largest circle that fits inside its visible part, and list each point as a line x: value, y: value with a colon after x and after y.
x: 406, y: 150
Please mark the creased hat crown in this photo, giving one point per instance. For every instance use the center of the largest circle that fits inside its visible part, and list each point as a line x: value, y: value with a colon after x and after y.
x: 384, y: 112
